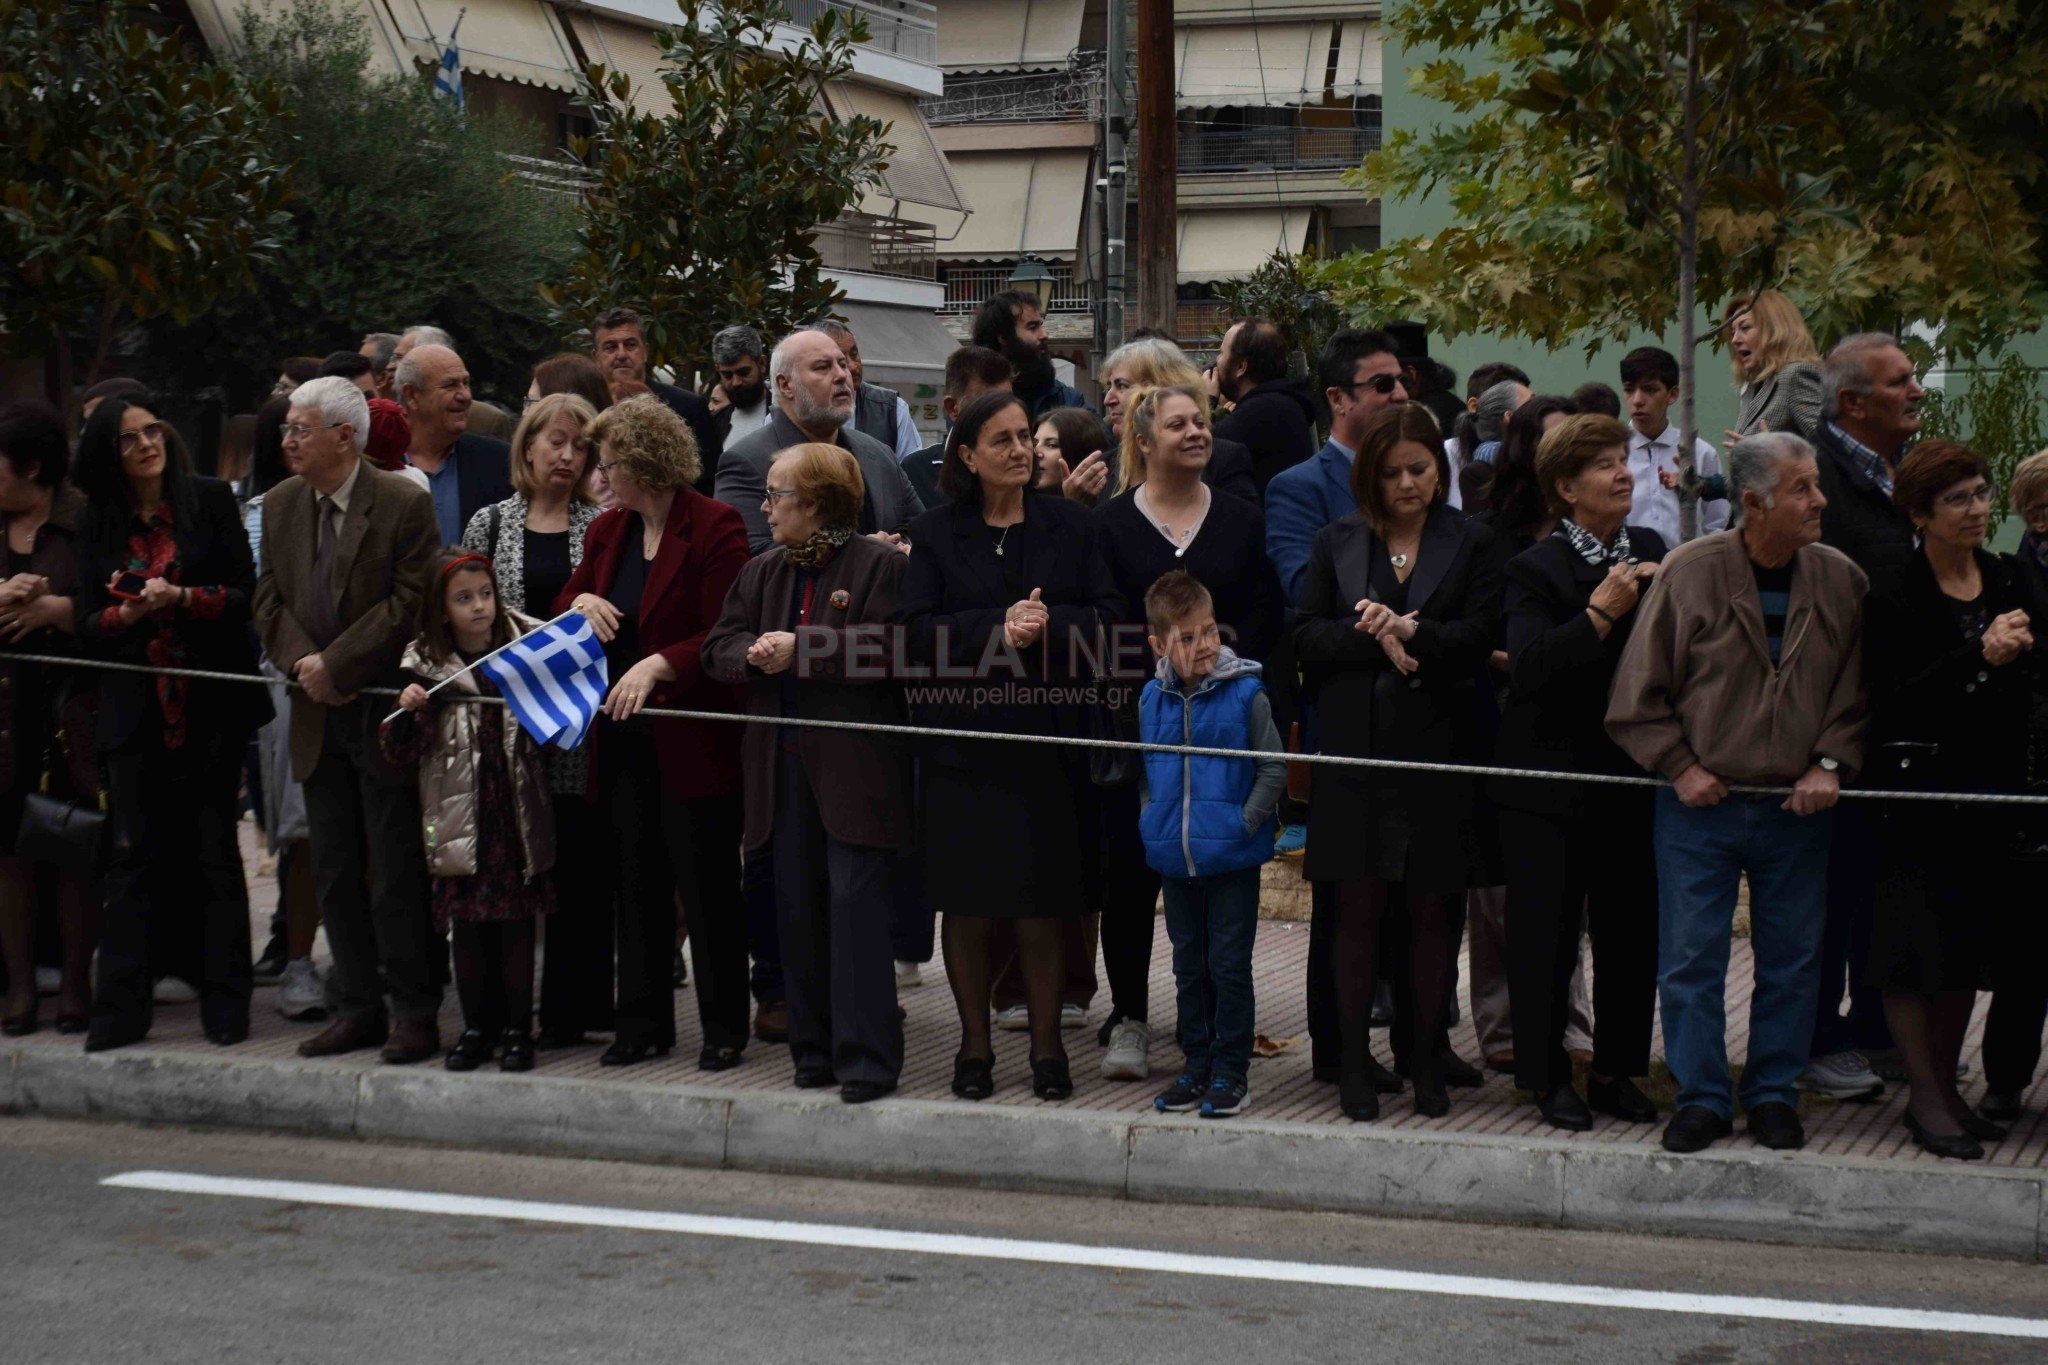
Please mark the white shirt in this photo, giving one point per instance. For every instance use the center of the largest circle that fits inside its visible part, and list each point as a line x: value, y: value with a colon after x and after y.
x: 747, y: 421
x: 1655, y: 505
x: 1454, y: 455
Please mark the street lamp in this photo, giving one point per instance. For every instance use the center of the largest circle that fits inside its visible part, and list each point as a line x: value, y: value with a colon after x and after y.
x: 1032, y: 277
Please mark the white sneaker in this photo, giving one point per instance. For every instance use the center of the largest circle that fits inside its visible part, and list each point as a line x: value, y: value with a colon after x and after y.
x: 1015, y: 1019
x: 170, y: 990
x: 301, y: 994
x: 1126, y: 1060
x: 1073, y: 1016
x: 49, y: 981
x: 1841, y: 1076
x: 908, y: 975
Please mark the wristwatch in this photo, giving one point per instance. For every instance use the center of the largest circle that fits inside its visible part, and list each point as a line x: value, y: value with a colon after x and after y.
x: 1827, y: 765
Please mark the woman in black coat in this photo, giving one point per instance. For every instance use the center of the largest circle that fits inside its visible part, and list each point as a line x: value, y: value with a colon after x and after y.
x: 1949, y: 651
x: 165, y: 579
x: 1398, y: 613
x: 1005, y: 590
x: 1577, y: 852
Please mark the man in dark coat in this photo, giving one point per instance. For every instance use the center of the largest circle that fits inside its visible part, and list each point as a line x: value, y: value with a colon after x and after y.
x: 1273, y: 416
x: 465, y: 472
x: 619, y: 343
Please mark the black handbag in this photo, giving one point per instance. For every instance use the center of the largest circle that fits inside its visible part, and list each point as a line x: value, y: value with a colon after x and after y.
x: 69, y: 835
x: 1113, y: 767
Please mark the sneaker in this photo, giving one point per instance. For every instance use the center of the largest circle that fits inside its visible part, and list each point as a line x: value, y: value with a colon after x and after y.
x: 1183, y: 1095
x: 1015, y: 1019
x: 1841, y: 1076
x: 1292, y: 843
x: 301, y: 994
x: 170, y: 990
x: 1126, y: 1060
x: 1073, y: 1016
x: 908, y: 975
x: 1226, y: 1096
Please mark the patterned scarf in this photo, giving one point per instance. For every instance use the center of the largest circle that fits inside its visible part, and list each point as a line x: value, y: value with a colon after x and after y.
x: 817, y: 552
x: 1589, y: 547
x: 2037, y: 546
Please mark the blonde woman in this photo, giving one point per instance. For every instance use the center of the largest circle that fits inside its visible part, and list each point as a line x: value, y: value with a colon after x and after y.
x: 1777, y: 366
x: 1152, y: 363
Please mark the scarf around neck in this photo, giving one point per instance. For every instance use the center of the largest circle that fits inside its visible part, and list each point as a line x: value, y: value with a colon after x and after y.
x: 1589, y: 547
x: 817, y: 552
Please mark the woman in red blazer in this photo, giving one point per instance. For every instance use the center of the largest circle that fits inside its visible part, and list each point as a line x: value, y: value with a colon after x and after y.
x: 655, y: 572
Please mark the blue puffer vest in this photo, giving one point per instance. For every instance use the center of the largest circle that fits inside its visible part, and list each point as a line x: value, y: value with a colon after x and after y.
x: 1194, y: 823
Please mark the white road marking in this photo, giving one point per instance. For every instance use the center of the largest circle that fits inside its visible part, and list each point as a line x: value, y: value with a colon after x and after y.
x: 1080, y: 1254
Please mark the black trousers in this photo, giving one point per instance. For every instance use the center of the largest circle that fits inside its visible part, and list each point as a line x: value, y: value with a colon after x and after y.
x: 576, y: 975
x: 172, y: 852
x: 1597, y: 869
x: 1130, y: 905
x: 382, y: 935
x: 1325, y: 1030
x: 666, y: 845
x: 832, y: 913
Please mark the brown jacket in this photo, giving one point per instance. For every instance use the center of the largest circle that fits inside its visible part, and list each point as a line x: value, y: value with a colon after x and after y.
x: 861, y: 778
x: 1696, y: 684
x: 383, y: 552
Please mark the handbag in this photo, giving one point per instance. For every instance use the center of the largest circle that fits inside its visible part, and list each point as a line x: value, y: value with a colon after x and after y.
x: 69, y: 834
x: 1114, y: 767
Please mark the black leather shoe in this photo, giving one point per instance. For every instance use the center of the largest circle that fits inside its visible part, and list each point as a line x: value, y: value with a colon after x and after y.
x: 515, y: 1051
x: 105, y: 1038
x: 1359, y: 1097
x: 23, y: 1024
x: 1694, y: 1128
x: 815, y: 1077
x: 227, y: 1035
x: 2002, y: 1105
x: 268, y: 969
x: 471, y: 1051
x: 711, y: 1058
x: 1620, y: 1098
x: 973, y: 1078
x: 1432, y: 1100
x: 1383, y: 1080
x: 861, y: 1092
x: 1454, y: 1070
x: 1050, y: 1078
x: 1982, y: 1129
x: 1954, y: 1146
x: 1562, y: 1108
x: 1382, y: 1006
x: 623, y: 1052
x: 1776, y: 1125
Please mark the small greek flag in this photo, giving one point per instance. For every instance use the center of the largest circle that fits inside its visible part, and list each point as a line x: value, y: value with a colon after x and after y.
x: 448, y: 80
x: 554, y: 678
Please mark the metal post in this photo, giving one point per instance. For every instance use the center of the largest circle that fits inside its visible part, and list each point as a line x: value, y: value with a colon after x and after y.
x: 1115, y: 194
x: 1158, y: 151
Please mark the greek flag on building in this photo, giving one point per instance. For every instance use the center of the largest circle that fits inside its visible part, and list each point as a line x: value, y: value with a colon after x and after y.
x: 448, y: 80
x: 554, y: 678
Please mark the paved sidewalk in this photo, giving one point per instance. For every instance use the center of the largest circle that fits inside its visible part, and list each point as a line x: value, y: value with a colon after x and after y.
x: 1860, y: 1180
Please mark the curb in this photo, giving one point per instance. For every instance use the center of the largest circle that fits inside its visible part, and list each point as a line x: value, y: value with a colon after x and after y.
x: 1823, y: 1201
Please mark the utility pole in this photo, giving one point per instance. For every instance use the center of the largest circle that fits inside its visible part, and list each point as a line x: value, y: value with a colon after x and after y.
x: 1112, y: 183
x: 1158, y: 154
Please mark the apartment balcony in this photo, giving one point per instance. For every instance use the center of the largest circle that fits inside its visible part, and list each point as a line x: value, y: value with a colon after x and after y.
x: 1073, y: 95
x: 902, y: 28
x: 968, y: 285
x: 1224, y: 151
x: 873, y: 245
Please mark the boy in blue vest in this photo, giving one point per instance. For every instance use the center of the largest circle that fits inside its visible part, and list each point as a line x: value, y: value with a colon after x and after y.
x: 1207, y: 825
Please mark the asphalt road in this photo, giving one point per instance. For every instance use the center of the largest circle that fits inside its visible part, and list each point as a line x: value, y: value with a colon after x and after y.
x: 741, y: 1268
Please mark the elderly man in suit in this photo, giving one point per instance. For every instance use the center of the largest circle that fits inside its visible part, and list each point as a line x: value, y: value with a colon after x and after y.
x: 814, y: 396
x: 347, y: 549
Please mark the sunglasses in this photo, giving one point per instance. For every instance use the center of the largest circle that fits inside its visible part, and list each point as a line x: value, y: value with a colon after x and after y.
x: 1381, y: 384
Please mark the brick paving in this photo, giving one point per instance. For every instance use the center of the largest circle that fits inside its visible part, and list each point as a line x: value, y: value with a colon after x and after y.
x: 1282, y: 1088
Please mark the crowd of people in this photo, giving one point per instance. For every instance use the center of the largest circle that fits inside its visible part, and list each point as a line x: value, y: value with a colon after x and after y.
x: 1546, y: 583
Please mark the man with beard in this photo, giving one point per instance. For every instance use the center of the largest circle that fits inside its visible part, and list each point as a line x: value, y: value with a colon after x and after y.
x: 814, y: 402
x: 881, y: 413
x: 619, y: 345
x: 1011, y: 324
x: 1271, y: 415
x: 740, y: 402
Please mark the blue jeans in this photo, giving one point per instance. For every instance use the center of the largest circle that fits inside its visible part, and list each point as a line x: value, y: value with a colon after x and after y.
x: 1212, y: 921
x: 1701, y: 856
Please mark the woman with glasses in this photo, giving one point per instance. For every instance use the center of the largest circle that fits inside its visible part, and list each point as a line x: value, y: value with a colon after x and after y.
x: 1152, y: 363
x: 1950, y: 658
x: 165, y: 580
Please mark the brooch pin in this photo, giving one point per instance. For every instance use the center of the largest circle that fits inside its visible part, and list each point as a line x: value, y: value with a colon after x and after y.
x: 842, y: 599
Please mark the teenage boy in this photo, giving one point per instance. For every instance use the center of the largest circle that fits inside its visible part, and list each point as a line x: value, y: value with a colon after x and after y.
x: 1207, y: 824
x: 1649, y: 385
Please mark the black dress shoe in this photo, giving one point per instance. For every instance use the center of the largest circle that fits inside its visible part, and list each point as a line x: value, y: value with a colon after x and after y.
x: 1383, y: 1080
x: 1562, y: 1108
x: 1358, y: 1096
x: 974, y: 1078
x: 471, y: 1051
x: 515, y: 1051
x: 1620, y: 1098
x: 1982, y: 1129
x: 711, y: 1058
x: 1432, y: 1100
x: 2001, y: 1105
x: 105, y: 1038
x: 20, y: 1025
x: 1954, y: 1146
x: 268, y: 969
x: 1455, y: 1070
x: 861, y: 1092
x: 1050, y: 1078
x: 1776, y: 1125
x: 631, y: 1052
x: 1382, y: 1006
x: 1694, y: 1128
x: 227, y: 1035
x: 815, y: 1077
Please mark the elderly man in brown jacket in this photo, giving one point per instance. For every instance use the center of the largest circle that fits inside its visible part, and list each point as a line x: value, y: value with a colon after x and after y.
x: 1745, y: 670
x: 346, y: 553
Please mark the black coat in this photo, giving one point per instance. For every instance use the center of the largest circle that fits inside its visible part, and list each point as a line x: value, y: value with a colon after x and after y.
x: 709, y: 431
x: 1276, y: 423
x: 1860, y: 519
x: 1560, y: 672
x: 213, y: 551
x: 1369, y: 709
x: 1228, y: 555
x: 483, y: 473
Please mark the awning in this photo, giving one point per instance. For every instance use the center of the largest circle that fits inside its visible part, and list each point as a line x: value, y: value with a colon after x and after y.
x: 904, y: 349
x: 1253, y: 65
x: 220, y: 23
x: 1022, y: 202
x: 514, y: 40
x: 626, y: 48
x: 917, y: 170
x: 1008, y: 35
x: 1224, y: 244
x: 1358, y: 59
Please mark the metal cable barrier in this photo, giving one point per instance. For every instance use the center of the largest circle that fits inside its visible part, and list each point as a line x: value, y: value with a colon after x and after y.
x: 1077, y: 742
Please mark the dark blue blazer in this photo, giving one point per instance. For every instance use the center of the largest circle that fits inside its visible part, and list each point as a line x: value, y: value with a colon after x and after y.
x: 1300, y: 501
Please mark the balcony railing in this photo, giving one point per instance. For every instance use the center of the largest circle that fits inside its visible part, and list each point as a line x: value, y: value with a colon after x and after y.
x: 1071, y: 95
x: 879, y: 246
x: 1214, y: 151
x: 906, y: 28
x: 561, y: 179
x: 968, y: 285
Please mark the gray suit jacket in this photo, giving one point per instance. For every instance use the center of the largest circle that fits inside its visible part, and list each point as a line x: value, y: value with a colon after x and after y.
x: 1788, y: 401
x: 743, y: 478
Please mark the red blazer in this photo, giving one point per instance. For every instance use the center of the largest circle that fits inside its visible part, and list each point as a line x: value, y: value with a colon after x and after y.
x: 703, y: 549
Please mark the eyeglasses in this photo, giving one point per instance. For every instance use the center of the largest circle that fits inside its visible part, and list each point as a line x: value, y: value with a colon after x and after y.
x: 1381, y: 384
x: 292, y: 431
x: 131, y: 439
x: 606, y: 469
x: 773, y: 494
x: 1963, y: 499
